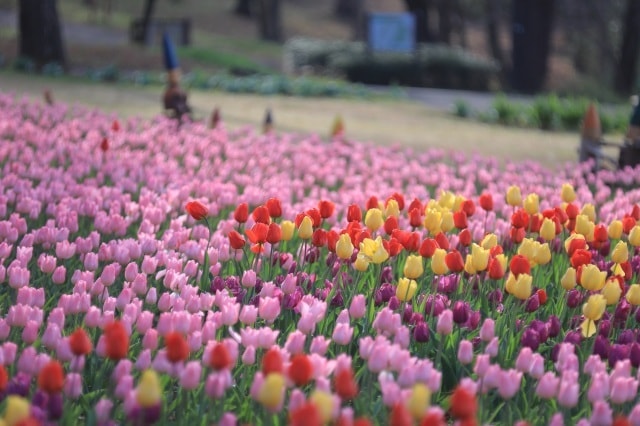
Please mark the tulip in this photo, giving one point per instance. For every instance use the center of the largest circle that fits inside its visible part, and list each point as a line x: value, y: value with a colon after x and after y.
x: 634, y: 236
x: 486, y: 201
x: 465, y: 352
x: 595, y: 307
x: 149, y: 390
x: 17, y: 410
x: 542, y: 254
x: 584, y: 226
x: 633, y: 294
x: 324, y: 402
x: 446, y: 223
x: 271, y: 393
x: 286, y: 230
x: 344, y: 247
x: 374, y: 250
x: 433, y: 221
x: 568, y: 194
x: 391, y: 210
x: 548, y: 229
x: 592, y: 278
x: 438, y: 263
x: 444, y: 325
x: 615, y: 230
x: 361, y: 264
x: 406, y: 289
x: 532, y: 203
x: 514, y: 197
x: 568, y: 280
x: 611, y: 292
x: 305, y: 230
x: 197, y: 210
x: 413, y: 267
x: 373, y: 219
x: 419, y: 400
x: 479, y: 257
x: 520, y: 287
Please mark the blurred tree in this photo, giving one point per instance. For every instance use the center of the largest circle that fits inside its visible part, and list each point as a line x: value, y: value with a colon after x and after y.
x: 445, y: 10
x: 269, y: 22
x: 40, y: 33
x: 627, y: 64
x: 243, y: 8
x: 420, y: 8
x: 147, y: 13
x: 531, y: 42
x: 346, y: 9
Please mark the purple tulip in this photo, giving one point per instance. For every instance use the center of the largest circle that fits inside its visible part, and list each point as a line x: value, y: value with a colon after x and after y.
x: 460, y: 312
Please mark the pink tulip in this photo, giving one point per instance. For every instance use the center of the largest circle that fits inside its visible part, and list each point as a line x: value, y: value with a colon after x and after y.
x: 103, y: 410
x: 59, y: 275
x: 190, y: 375
x: 73, y: 385
x: 150, y: 339
x: 319, y: 345
x: 492, y: 348
x: 465, y: 352
x: 487, y: 330
x: 602, y: 414
x: 524, y: 359
x: 444, y: 325
x: 358, y: 306
x: 547, y: 386
x: 295, y: 342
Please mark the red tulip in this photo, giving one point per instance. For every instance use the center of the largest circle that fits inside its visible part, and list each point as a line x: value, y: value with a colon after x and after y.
x: 486, y: 201
x: 390, y: 225
x: 400, y: 416
x: 51, y: 377
x: 454, y: 261
x: 415, y: 218
x: 428, y: 248
x: 274, y: 207
x: 197, y: 210
x: 496, y: 271
x: 460, y: 219
x: 261, y: 215
x: 4, y: 379
x: 274, y: 234
x: 519, y: 265
x: 399, y: 199
x: 520, y: 219
x: 580, y: 257
x: 80, y: 343
x: 300, y: 370
x: 326, y: 208
x: 241, y: 213
x: 236, y: 241
x: 116, y: 341
x: 462, y: 404
x: 572, y: 211
x: 332, y: 240
x: 542, y: 296
x: 315, y: 216
x: 354, y: 214
x: 443, y: 241
x: 465, y: 237
x: 306, y: 414
x: 220, y: 357
x: 372, y: 203
x: 272, y: 362
x: 177, y: 347
x: 345, y: 385
x: 104, y: 145
x: 319, y: 238
x: 469, y: 207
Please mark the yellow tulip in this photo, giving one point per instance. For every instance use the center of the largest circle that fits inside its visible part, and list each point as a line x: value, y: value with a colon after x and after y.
x: 588, y: 328
x: 532, y: 203
x: 620, y: 253
x: 392, y: 209
x: 447, y: 200
x: 457, y: 204
x: 406, y: 289
x: 520, y: 287
x: 543, y: 254
x: 149, y: 391
x: 18, y: 409
x: 514, y: 197
x: 568, y: 194
x: 361, y: 264
x: 595, y: 306
x: 344, y: 247
x: 480, y: 257
x: 413, y: 267
x: 373, y: 219
x: 611, y: 292
x: 287, y: 227
x: 615, y: 230
x: 616, y: 269
x: 271, y: 394
x: 584, y: 226
x: 527, y: 248
x: 438, y: 265
x: 305, y: 230
x: 634, y: 236
x: 324, y: 402
x: 419, y: 401
x: 468, y: 265
x: 374, y: 250
x: 633, y: 294
x: 502, y: 258
x: 489, y: 241
x: 592, y: 278
x: 548, y: 229
x: 447, y: 221
x: 432, y: 221
x: 590, y: 211
x: 568, y: 280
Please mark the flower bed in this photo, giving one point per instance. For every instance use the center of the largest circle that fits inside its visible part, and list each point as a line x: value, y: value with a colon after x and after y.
x: 345, y: 283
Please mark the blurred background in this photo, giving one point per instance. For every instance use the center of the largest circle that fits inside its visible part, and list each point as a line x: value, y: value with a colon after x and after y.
x: 570, y: 47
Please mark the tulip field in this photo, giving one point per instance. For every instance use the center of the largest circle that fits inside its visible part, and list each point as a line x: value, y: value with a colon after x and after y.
x: 152, y: 273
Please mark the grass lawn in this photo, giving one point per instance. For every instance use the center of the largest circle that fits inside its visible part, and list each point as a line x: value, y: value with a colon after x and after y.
x: 380, y: 122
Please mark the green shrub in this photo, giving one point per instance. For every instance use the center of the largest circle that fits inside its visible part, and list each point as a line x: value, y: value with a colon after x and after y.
x: 461, y: 108
x: 430, y: 66
x: 506, y: 112
x: 572, y: 113
x: 545, y: 111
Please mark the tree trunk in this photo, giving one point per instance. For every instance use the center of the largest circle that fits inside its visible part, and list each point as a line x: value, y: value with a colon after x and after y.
x: 420, y: 9
x: 147, y: 14
x: 444, y: 21
x: 269, y: 23
x: 493, y: 30
x: 40, y: 32
x: 346, y: 9
x: 532, y: 28
x: 628, y: 59
x: 243, y: 8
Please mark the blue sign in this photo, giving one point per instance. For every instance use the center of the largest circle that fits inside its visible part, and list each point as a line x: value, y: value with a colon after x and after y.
x: 392, y: 32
